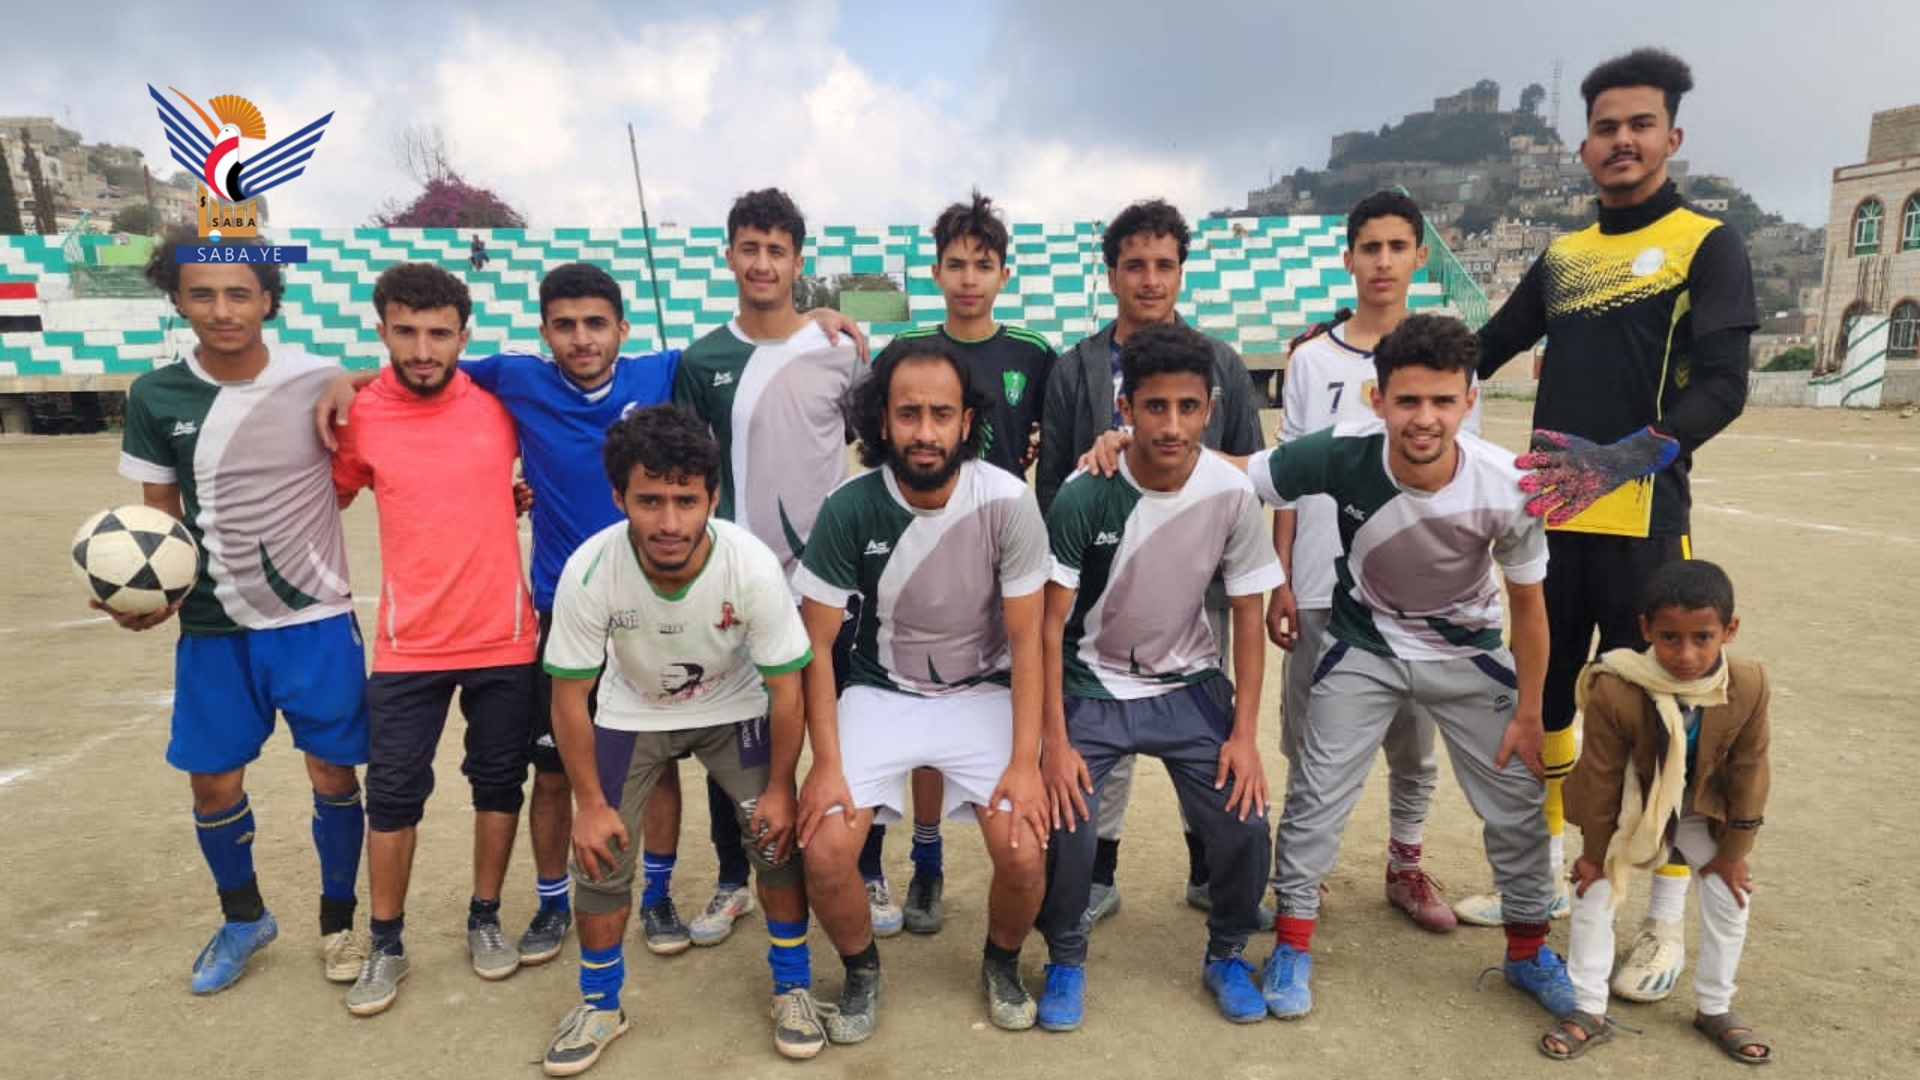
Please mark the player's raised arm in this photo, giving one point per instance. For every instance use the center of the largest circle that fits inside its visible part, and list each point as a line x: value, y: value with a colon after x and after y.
x: 1290, y: 470
x: 1517, y: 326
x: 336, y: 402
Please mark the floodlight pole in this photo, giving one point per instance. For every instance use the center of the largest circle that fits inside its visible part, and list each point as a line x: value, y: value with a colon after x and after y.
x: 646, y: 238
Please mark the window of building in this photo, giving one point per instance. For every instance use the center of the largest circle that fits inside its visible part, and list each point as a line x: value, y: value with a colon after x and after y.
x: 1910, y: 224
x: 1866, y: 228
x: 1848, y: 321
x: 1903, y: 332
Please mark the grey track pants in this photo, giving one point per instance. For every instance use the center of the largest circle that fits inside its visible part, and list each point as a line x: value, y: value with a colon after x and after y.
x: 1413, y: 769
x: 1355, y: 696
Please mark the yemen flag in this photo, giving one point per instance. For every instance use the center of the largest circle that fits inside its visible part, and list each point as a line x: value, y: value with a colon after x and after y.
x: 19, y: 307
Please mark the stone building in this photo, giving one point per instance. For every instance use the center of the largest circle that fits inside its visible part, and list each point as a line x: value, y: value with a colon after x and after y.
x: 1873, y: 245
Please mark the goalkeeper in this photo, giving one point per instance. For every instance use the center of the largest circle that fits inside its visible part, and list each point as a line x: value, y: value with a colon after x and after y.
x: 1647, y: 314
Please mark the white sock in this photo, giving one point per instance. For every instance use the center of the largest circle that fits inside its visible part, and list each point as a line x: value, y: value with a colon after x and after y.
x: 1557, y: 852
x: 1667, y: 898
x: 1411, y: 833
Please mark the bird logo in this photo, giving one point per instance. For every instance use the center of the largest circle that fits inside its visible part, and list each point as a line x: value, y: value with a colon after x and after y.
x: 238, y: 117
x: 215, y: 155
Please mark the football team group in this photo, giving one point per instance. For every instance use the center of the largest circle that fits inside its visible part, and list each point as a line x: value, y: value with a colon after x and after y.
x: 951, y: 644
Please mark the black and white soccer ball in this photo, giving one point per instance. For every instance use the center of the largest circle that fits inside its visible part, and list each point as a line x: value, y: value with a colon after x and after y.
x: 135, y: 559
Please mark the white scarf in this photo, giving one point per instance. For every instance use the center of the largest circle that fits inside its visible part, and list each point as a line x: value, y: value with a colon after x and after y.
x: 1646, y: 824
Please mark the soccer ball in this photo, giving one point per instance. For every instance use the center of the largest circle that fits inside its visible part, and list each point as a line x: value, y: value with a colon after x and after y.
x: 135, y: 559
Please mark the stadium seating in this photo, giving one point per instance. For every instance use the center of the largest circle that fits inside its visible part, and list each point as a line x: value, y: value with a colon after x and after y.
x: 1250, y: 281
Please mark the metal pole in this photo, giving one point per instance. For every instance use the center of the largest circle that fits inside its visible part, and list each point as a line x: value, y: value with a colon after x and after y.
x: 646, y: 238
x: 153, y: 212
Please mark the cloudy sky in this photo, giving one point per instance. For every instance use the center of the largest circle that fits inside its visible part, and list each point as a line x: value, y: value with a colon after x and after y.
x: 876, y: 112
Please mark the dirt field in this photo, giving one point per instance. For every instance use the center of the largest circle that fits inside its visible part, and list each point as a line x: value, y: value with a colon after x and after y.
x: 106, y: 900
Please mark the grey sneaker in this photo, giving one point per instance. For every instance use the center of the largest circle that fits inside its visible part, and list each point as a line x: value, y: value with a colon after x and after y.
x: 853, y: 1018
x: 544, y: 936
x: 1200, y: 897
x: 666, y: 934
x: 344, y: 953
x: 886, y: 915
x: 378, y: 984
x: 583, y: 1033
x: 797, y: 1030
x: 493, y: 958
x: 715, y: 924
x: 924, y: 912
x: 1102, y: 901
x: 1009, y: 1005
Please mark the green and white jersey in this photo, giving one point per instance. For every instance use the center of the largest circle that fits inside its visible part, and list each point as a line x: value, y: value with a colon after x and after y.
x: 775, y: 407
x: 1140, y: 561
x: 1327, y: 381
x: 1414, y: 578
x: 256, y: 485
x: 930, y: 582
x: 673, y: 661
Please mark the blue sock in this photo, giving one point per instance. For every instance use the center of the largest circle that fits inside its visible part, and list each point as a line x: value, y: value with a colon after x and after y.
x: 339, y: 835
x: 553, y: 893
x: 226, y: 840
x: 602, y: 973
x: 926, y: 849
x: 787, y: 955
x: 658, y: 871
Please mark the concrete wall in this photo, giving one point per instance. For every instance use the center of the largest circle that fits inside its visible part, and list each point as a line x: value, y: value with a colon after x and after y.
x: 1902, y: 387
x: 104, y: 312
x: 1777, y: 388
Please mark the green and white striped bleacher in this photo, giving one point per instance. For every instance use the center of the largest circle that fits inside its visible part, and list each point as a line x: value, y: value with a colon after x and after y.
x: 1250, y: 281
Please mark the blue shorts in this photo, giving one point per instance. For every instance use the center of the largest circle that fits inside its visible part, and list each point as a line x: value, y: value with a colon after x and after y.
x: 227, y: 688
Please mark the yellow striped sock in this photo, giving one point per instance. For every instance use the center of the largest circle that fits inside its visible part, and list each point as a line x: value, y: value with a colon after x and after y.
x: 1559, y: 762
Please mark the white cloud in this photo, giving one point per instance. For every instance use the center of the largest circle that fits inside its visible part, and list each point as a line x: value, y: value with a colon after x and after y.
x: 871, y: 112
x: 719, y: 109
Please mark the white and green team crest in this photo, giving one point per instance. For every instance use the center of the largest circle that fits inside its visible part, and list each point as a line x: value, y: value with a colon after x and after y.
x: 1015, y: 384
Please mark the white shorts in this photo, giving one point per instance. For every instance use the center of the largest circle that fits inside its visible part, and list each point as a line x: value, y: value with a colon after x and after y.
x: 885, y: 735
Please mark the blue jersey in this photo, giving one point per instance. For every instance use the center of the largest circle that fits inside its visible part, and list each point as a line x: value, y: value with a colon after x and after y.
x: 561, y: 428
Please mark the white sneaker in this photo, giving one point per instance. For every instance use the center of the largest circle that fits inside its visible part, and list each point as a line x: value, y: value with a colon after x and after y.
x: 716, y: 923
x: 888, y: 919
x: 344, y: 953
x: 1653, y: 963
x: 1483, y: 909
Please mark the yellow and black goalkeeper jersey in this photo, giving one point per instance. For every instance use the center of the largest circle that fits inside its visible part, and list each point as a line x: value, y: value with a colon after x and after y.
x: 1646, y: 313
